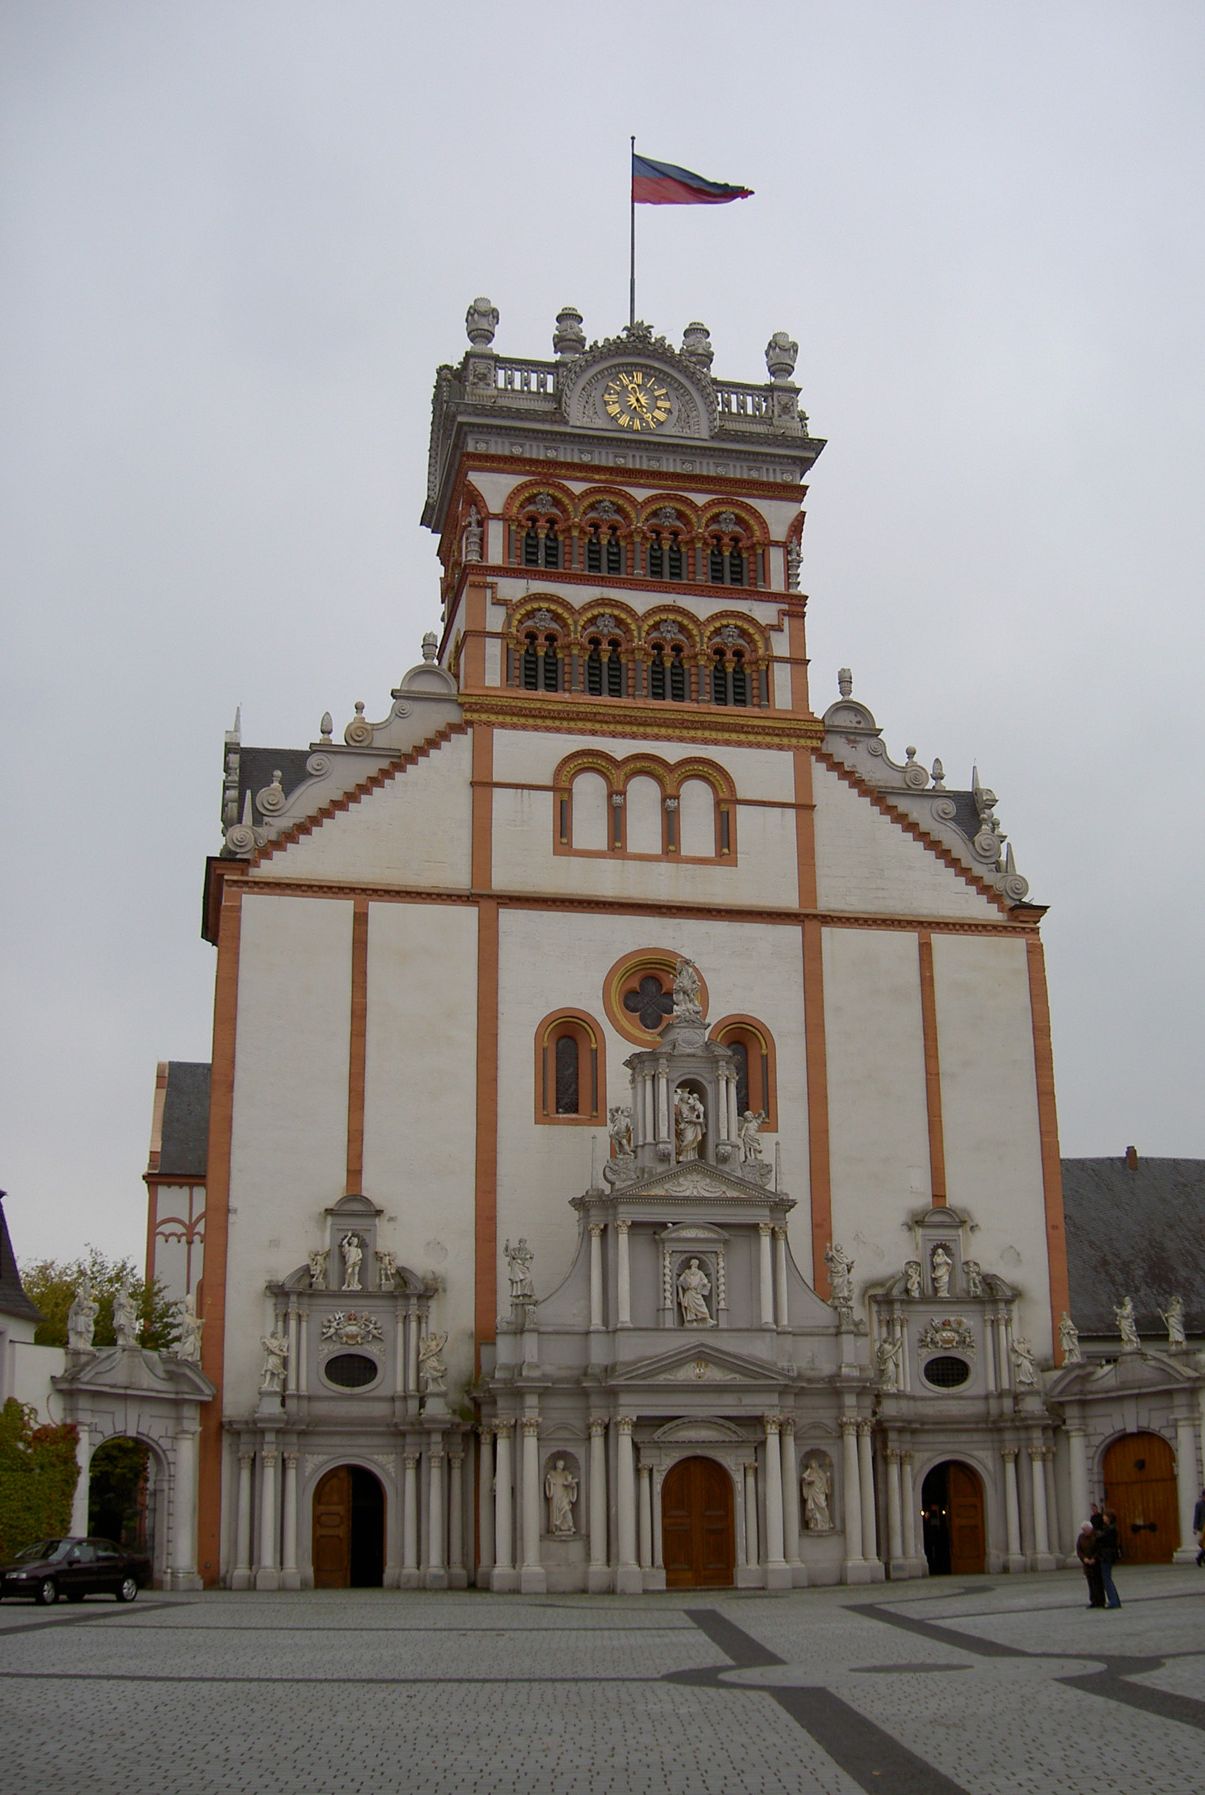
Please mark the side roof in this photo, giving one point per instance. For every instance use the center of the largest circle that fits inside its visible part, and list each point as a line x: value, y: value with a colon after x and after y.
x: 184, y: 1138
x: 1135, y: 1227
x: 13, y: 1300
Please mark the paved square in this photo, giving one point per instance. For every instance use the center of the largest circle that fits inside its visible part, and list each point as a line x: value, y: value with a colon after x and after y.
x: 989, y: 1686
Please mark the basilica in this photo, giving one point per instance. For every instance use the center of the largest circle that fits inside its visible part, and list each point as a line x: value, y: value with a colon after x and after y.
x: 629, y: 1154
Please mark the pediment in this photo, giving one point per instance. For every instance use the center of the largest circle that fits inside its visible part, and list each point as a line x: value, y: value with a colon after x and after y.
x: 135, y: 1370
x: 688, y: 392
x: 701, y: 1182
x: 700, y: 1361
x: 691, y: 1429
x: 1130, y: 1372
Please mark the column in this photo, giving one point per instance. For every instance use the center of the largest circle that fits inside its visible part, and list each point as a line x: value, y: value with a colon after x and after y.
x: 1041, y: 1523
x: 1012, y: 1510
x: 267, y: 1576
x: 1004, y: 1371
x: 303, y: 1362
x: 989, y: 1352
x: 1053, y: 1528
x: 242, y: 1523
x: 751, y: 1547
x: 596, y: 1275
x: 412, y: 1348
x: 623, y: 1276
x: 780, y: 1279
x: 870, y: 1541
x: 456, y: 1574
x: 628, y: 1580
x: 291, y: 1362
x: 646, y: 1517
x: 598, y: 1576
x: 1187, y: 1486
x: 436, y: 1576
x: 531, y: 1573
x: 410, y: 1520
x: 895, y: 1538
x: 777, y: 1574
x: 79, y: 1502
x: 851, y: 1497
x: 504, y: 1527
x: 790, y: 1497
x: 183, y: 1574
x: 908, y: 1504
x: 290, y: 1576
x: 662, y: 1103
x: 485, y: 1505
x: 399, y: 1336
x: 767, y: 1274
x: 732, y: 1111
x: 1077, y: 1466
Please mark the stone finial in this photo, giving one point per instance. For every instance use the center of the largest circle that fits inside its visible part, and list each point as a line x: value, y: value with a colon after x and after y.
x: 845, y: 681
x: 430, y: 645
x: 939, y: 776
x: 327, y: 726
x: 782, y: 352
x: 696, y: 345
x: 481, y: 321
x: 568, y: 338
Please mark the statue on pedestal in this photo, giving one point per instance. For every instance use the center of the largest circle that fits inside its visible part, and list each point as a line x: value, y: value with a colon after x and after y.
x: 125, y: 1316
x: 1069, y: 1341
x: 817, y: 1487
x: 1127, y: 1325
x: 276, y: 1358
x: 941, y: 1264
x: 688, y: 992
x: 353, y: 1253
x: 694, y: 1287
x: 188, y: 1343
x: 519, y: 1261
x: 317, y: 1264
x: 689, y: 1117
x: 431, y: 1367
x: 748, y: 1134
x: 1023, y: 1360
x: 1173, y: 1315
x: 560, y: 1487
x: 81, y: 1317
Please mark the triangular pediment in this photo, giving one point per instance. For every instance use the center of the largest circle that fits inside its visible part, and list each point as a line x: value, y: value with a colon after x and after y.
x: 700, y: 1360
x: 1129, y: 1373
x: 700, y: 1182
x: 134, y: 1370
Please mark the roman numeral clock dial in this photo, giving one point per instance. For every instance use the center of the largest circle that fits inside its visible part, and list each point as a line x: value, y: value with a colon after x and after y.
x: 636, y: 400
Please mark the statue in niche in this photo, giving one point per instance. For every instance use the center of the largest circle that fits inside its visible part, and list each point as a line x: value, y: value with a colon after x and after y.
x: 840, y: 1271
x: 317, y: 1263
x: 694, y: 1287
x: 519, y: 1261
x: 688, y: 992
x: 1023, y: 1360
x: 386, y: 1269
x: 560, y: 1487
x: 276, y: 1358
x: 941, y: 1264
x: 1173, y: 1315
x: 125, y: 1316
x: 188, y: 1342
x: 689, y: 1117
x: 1127, y: 1326
x: 1069, y: 1341
x: 973, y: 1273
x: 912, y: 1278
x: 81, y: 1317
x: 619, y: 1128
x: 431, y: 1367
x: 888, y: 1354
x: 747, y: 1133
x: 817, y: 1488
x: 352, y: 1249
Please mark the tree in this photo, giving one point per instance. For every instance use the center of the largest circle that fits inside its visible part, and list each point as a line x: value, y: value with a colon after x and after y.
x: 51, y: 1284
x: 38, y: 1474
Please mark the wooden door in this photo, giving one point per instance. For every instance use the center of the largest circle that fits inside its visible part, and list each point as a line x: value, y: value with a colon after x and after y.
x: 1140, y: 1484
x: 332, y: 1530
x: 697, y: 1536
x: 964, y: 1500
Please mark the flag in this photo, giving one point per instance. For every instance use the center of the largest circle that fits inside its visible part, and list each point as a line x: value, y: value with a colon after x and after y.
x: 661, y: 184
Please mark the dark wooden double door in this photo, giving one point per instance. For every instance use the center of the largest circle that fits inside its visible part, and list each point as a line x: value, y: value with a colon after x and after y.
x: 698, y: 1543
x: 349, y: 1530
x: 952, y: 1520
x: 1140, y: 1484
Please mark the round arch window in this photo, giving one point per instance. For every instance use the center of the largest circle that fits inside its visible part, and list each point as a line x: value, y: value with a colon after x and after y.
x: 946, y: 1373
x: 351, y: 1370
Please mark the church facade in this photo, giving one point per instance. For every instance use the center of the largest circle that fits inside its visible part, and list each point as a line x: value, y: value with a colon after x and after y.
x: 629, y: 1158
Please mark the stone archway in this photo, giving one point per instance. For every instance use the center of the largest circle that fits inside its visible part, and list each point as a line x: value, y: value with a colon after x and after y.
x: 952, y: 1513
x: 1139, y: 1477
x: 348, y: 1529
x: 697, y: 1527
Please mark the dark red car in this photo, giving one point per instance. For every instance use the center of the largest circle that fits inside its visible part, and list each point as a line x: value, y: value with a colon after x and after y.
x: 75, y: 1568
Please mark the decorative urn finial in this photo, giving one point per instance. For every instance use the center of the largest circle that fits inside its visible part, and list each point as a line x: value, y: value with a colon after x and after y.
x: 782, y: 352
x: 696, y: 345
x: 568, y: 338
x: 481, y: 321
x: 845, y: 681
x: 430, y: 645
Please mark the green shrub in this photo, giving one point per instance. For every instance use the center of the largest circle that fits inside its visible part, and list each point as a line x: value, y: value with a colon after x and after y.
x: 38, y: 1475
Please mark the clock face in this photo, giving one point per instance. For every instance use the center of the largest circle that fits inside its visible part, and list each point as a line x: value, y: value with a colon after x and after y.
x: 636, y: 400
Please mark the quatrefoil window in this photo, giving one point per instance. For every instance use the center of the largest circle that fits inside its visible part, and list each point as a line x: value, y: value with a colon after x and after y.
x: 650, y: 1002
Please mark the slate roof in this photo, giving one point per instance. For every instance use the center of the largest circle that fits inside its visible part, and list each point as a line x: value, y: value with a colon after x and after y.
x: 256, y: 767
x: 13, y: 1300
x: 1135, y: 1231
x: 184, y: 1147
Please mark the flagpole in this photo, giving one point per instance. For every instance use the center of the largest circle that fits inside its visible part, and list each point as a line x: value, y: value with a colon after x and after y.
x: 632, y: 228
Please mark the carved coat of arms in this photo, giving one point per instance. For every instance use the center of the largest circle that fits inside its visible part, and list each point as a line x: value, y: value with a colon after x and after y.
x: 351, y: 1328
x: 947, y: 1334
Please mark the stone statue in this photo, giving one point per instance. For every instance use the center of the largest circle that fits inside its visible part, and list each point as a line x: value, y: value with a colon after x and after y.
x: 694, y: 1287
x: 125, y: 1316
x: 887, y: 1357
x: 1173, y: 1315
x: 689, y: 1117
x: 188, y: 1342
x: 386, y: 1269
x: 747, y: 1133
x: 688, y: 992
x: 973, y: 1273
x: 1127, y: 1327
x: 619, y: 1128
x: 318, y: 1269
x: 473, y: 535
x: 1023, y: 1360
x: 352, y: 1250
x: 519, y: 1259
x: 81, y: 1317
x: 840, y: 1268
x: 817, y: 1487
x: 1069, y: 1341
x: 276, y: 1358
x: 912, y: 1278
x: 560, y: 1487
x: 431, y: 1367
x: 941, y: 1264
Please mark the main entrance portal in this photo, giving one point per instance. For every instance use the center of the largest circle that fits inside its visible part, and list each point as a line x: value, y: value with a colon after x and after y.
x: 1140, y: 1484
x: 697, y: 1538
x: 952, y: 1501
x: 349, y: 1530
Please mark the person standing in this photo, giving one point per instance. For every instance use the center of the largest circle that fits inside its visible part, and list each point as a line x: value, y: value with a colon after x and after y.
x: 1085, y: 1551
x: 1108, y: 1551
x: 1198, y: 1527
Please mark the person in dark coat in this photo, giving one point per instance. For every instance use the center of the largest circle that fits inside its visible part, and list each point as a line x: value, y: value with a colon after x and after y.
x: 1108, y: 1551
x: 1085, y: 1551
x: 1198, y: 1527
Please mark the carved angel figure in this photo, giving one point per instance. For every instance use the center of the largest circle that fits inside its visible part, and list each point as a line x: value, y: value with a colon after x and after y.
x: 912, y: 1278
x: 840, y: 1269
x: 431, y: 1367
x: 747, y: 1133
x: 353, y: 1253
x: 973, y: 1273
x: 125, y: 1317
x: 817, y: 1487
x: 688, y: 992
x: 81, y: 1317
x: 1023, y: 1360
x: 519, y: 1259
x: 188, y: 1342
x: 619, y: 1128
x: 1127, y: 1325
x: 941, y: 1264
x: 887, y: 1354
x: 560, y: 1487
x: 317, y: 1263
x: 386, y: 1269
x: 689, y: 1116
x: 694, y: 1287
x: 276, y: 1358
x: 1173, y: 1315
x: 1069, y: 1341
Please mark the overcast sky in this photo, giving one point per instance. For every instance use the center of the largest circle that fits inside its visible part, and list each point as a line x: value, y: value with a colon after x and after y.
x: 238, y: 238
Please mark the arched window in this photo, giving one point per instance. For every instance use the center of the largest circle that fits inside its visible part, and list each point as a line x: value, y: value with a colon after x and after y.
x: 540, y: 661
x: 752, y: 1047
x: 570, y: 1069
x: 668, y: 674
x: 605, y: 667
x: 733, y: 673
x: 731, y: 552
x: 665, y: 557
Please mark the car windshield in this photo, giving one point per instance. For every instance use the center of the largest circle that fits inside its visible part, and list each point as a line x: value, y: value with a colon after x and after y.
x: 44, y: 1548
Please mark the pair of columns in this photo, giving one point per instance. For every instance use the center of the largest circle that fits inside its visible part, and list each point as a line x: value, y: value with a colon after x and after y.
x: 497, y: 1516
x: 862, y: 1563
x: 272, y: 1562
x: 1034, y: 1554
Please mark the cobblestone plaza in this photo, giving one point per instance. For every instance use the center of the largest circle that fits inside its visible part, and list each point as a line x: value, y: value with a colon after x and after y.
x: 984, y: 1686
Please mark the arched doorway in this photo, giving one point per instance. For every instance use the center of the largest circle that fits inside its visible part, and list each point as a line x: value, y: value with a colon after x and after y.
x: 349, y: 1529
x: 1140, y: 1484
x: 698, y: 1541
x: 952, y: 1518
x: 121, y: 1494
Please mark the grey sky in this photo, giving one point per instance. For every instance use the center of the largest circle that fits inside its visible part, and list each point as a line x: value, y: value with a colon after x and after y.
x: 238, y: 238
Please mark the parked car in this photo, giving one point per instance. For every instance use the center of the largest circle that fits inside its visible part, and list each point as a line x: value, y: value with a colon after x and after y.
x: 75, y: 1568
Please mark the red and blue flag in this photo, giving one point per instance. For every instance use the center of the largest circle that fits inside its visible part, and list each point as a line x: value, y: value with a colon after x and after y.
x: 663, y: 184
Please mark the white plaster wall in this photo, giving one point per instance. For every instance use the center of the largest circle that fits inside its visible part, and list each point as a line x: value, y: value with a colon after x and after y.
x: 413, y: 831
x: 288, y: 1156
x: 531, y: 757
x: 868, y: 864
x: 32, y: 1368
x: 420, y: 1100
x: 549, y: 961
x: 990, y: 1111
x: 878, y: 1121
